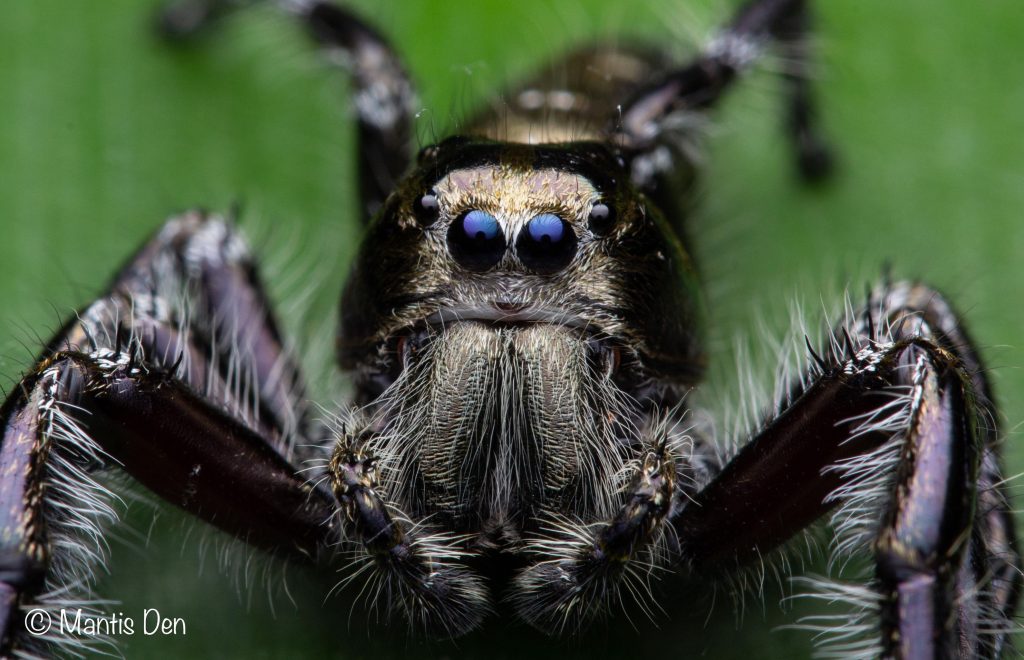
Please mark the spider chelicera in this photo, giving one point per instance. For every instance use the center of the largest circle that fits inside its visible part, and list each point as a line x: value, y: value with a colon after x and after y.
x: 523, y: 328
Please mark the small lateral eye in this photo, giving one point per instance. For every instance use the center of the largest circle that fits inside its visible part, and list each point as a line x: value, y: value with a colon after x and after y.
x: 602, y: 217
x: 426, y: 208
x: 547, y: 244
x: 476, y: 241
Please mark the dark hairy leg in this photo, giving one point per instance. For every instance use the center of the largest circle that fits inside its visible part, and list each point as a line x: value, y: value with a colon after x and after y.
x: 178, y: 376
x: 196, y: 276
x: 640, y: 126
x: 893, y: 430
x: 384, y: 97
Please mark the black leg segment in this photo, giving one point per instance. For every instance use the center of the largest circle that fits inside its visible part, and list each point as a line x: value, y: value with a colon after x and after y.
x: 384, y: 97
x: 178, y: 376
x: 698, y: 86
x: 890, y: 433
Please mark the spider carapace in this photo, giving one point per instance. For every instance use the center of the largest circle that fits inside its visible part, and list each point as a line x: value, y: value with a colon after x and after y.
x: 523, y: 328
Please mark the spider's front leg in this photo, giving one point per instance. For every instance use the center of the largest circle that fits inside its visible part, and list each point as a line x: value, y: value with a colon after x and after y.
x: 177, y: 375
x: 893, y: 430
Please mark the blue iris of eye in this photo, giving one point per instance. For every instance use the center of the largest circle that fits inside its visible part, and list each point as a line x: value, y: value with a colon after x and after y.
x: 480, y: 225
x: 546, y: 227
x: 547, y: 244
x: 476, y: 241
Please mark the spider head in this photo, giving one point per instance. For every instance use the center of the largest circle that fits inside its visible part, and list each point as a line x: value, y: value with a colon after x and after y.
x: 522, y: 234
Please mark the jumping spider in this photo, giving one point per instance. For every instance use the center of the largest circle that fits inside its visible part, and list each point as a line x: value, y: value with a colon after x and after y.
x: 523, y: 329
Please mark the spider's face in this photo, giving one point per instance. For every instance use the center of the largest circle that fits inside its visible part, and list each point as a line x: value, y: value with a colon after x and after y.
x: 504, y: 236
x: 501, y: 286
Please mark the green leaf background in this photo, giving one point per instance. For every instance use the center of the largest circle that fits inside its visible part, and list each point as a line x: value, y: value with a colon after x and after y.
x: 104, y: 131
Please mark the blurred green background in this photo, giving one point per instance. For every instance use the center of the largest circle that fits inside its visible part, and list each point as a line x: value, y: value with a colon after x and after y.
x: 104, y: 131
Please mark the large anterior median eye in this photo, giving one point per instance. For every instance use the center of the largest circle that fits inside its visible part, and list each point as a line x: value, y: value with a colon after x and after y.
x: 476, y: 240
x: 547, y: 244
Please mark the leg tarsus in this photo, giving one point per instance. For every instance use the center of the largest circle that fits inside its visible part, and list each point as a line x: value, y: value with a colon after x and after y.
x: 814, y: 157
